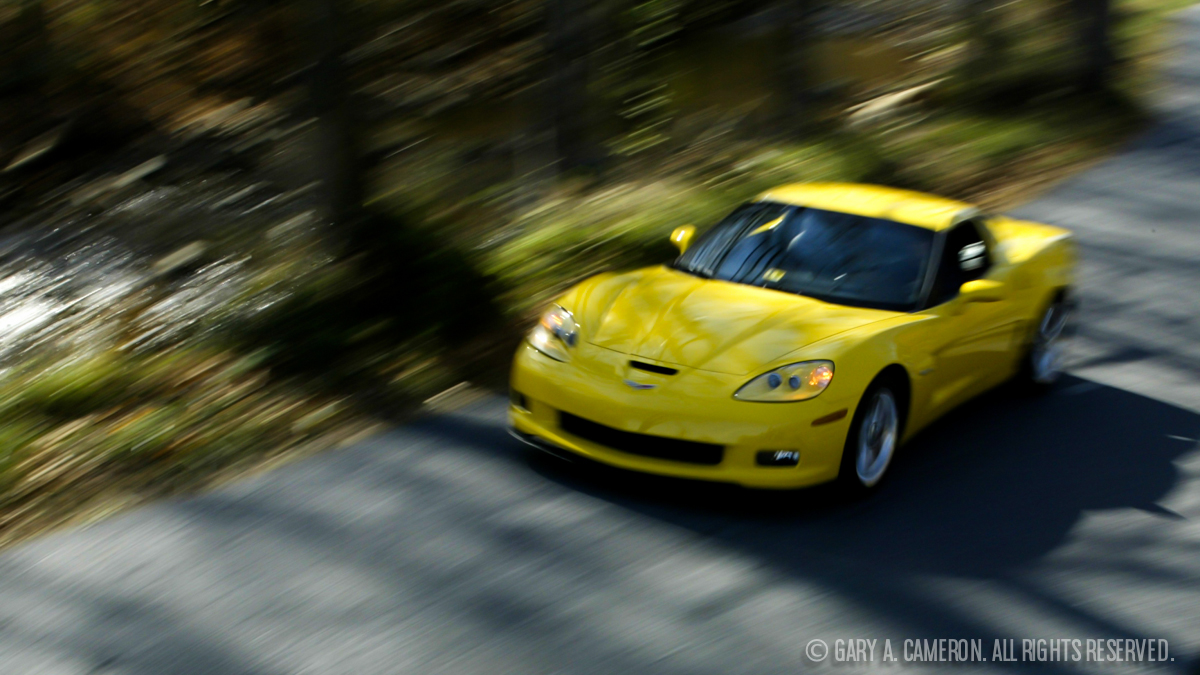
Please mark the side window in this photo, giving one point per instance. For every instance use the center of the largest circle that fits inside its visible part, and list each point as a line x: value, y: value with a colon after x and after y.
x: 964, y: 258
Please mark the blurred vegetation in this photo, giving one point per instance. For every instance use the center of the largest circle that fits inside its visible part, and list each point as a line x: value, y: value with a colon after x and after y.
x: 235, y: 229
x: 83, y: 433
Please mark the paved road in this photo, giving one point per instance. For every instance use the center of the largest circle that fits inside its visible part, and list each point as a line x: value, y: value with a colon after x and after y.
x: 443, y: 547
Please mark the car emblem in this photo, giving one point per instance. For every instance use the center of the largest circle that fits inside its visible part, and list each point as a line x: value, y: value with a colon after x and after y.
x: 639, y: 385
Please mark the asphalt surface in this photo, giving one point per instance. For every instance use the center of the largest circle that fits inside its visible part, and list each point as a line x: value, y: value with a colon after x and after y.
x: 445, y: 547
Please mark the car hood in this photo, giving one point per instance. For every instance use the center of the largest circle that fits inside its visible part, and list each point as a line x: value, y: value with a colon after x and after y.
x: 668, y: 316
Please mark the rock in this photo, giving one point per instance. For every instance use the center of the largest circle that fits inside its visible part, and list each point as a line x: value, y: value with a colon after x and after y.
x: 139, y: 172
x: 181, y: 259
x: 883, y: 106
x: 38, y: 147
x: 97, y: 188
x: 288, y: 227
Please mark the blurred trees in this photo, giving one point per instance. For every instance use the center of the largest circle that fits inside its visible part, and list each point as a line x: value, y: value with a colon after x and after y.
x: 604, y: 85
x: 1094, y: 21
x: 601, y: 68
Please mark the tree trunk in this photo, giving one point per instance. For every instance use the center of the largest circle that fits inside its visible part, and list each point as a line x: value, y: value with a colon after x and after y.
x: 983, y: 42
x: 35, y: 52
x: 797, y: 109
x: 645, y: 101
x: 1094, y: 18
x: 337, y: 146
x: 567, y: 49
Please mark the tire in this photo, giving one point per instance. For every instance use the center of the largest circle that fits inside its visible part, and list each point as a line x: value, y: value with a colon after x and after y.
x: 1041, y: 365
x: 873, y: 438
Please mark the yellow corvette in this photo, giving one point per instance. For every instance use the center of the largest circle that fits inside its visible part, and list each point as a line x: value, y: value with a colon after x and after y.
x: 800, y: 340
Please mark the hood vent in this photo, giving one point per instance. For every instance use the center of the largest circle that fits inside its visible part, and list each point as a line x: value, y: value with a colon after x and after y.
x: 651, y: 368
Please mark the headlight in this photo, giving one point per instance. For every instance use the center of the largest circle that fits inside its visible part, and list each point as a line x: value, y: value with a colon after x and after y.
x: 795, y: 382
x: 554, y: 333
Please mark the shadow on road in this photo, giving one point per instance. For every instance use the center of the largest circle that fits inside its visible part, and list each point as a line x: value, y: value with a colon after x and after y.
x: 983, y: 494
x: 995, y: 485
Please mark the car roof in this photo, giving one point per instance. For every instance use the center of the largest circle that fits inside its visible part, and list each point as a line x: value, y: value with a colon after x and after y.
x: 874, y: 201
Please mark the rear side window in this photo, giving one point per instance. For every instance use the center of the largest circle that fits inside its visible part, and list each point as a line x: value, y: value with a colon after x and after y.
x: 964, y: 258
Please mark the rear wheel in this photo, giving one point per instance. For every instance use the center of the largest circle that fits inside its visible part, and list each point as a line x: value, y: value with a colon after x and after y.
x: 872, y: 441
x: 1043, y: 361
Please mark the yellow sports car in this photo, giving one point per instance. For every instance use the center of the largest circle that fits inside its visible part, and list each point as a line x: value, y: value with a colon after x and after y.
x: 801, y: 340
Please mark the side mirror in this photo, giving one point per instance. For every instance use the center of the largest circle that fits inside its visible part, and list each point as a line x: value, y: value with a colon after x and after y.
x: 682, y: 237
x: 982, y: 290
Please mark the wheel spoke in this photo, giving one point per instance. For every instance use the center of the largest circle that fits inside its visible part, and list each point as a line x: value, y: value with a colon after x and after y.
x: 1053, y: 323
x: 876, y: 438
x: 1046, y: 354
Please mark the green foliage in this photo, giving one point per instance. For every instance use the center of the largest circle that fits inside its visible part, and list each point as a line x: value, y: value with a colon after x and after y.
x: 572, y: 236
x: 847, y: 158
x: 16, y: 435
x: 77, y: 387
x: 947, y: 150
x: 169, y: 421
x: 147, y: 433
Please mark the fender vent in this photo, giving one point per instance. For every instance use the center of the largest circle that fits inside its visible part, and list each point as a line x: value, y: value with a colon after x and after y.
x: 651, y: 368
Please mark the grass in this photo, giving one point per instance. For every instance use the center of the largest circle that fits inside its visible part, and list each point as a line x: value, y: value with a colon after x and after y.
x: 79, y: 434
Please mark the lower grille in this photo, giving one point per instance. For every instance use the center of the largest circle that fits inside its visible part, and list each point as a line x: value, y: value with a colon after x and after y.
x: 659, y: 447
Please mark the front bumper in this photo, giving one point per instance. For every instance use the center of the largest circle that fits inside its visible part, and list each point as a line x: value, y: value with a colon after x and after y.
x: 692, y: 405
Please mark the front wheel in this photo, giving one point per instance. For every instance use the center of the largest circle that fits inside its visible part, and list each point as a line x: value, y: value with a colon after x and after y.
x: 871, y: 443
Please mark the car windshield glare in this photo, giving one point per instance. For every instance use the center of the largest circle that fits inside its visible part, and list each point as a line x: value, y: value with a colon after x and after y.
x: 835, y: 257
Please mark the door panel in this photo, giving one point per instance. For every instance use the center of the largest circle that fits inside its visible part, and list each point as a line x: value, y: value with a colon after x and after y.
x: 972, y: 341
x: 973, y: 352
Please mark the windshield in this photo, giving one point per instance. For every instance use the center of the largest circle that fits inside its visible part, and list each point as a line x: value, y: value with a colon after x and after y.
x: 835, y: 257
